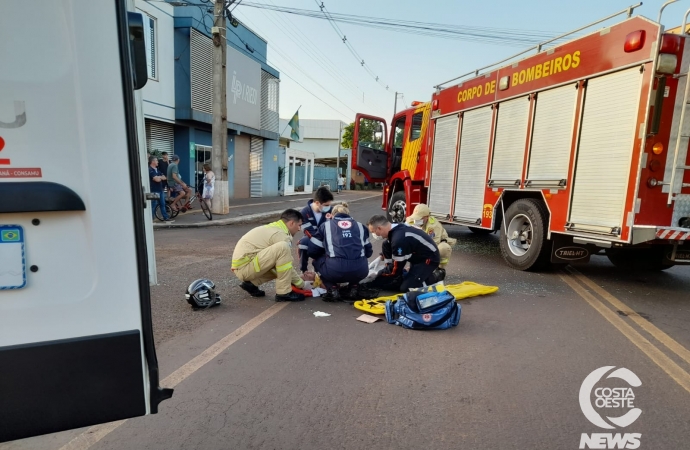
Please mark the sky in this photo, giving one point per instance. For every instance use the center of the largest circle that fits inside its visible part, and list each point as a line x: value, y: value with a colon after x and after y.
x: 320, y: 76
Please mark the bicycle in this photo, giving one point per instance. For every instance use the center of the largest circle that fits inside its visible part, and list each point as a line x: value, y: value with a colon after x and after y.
x: 189, y: 205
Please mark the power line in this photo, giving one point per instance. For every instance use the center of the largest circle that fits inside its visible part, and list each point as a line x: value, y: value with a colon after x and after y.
x: 349, y: 46
x: 502, y: 36
x: 290, y: 61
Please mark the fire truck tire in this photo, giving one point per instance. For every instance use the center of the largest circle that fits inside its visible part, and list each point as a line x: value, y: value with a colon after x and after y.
x: 480, y: 231
x: 523, y: 239
x: 647, y: 259
x: 397, y: 208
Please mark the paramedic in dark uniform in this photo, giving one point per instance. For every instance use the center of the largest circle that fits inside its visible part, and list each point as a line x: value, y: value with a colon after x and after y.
x: 340, y: 249
x: 315, y: 213
x: 404, y: 244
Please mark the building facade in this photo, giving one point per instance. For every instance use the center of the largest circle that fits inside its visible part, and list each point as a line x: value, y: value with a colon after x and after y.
x: 178, y: 98
x: 322, y: 139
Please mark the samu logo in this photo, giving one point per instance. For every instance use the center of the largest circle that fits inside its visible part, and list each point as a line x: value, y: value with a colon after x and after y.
x: 606, y: 397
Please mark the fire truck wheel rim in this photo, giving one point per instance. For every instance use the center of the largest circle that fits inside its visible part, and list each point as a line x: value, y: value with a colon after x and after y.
x: 398, y: 211
x: 519, y: 235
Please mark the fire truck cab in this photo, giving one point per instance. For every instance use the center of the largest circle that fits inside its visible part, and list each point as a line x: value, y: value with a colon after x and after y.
x: 578, y: 149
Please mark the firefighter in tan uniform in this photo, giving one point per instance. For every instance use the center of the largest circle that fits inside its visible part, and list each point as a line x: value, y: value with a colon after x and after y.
x: 264, y: 254
x: 421, y: 218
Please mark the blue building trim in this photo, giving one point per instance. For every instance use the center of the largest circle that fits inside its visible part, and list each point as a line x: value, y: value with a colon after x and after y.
x: 198, y: 116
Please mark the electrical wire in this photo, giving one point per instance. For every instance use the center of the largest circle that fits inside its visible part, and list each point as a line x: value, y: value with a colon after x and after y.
x: 502, y: 36
x: 349, y: 46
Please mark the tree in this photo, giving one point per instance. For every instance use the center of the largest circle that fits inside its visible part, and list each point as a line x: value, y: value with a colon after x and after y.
x: 368, y: 131
x: 348, y: 131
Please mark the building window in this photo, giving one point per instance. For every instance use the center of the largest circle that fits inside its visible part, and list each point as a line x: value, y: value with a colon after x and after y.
x: 416, y: 129
x: 150, y: 26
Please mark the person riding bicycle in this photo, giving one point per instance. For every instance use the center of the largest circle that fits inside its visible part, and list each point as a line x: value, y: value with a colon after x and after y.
x: 179, y: 191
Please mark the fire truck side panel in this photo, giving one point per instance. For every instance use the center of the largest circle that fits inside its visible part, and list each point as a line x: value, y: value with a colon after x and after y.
x: 443, y: 167
x: 552, y: 137
x: 510, y: 142
x: 651, y: 201
x: 558, y: 200
x: 681, y: 207
x: 607, y: 139
x: 475, y: 142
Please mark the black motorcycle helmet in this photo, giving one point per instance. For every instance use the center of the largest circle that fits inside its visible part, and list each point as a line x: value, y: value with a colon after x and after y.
x: 201, y: 294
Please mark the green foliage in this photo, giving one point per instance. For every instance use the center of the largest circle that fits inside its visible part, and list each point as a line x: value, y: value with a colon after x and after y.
x: 348, y: 131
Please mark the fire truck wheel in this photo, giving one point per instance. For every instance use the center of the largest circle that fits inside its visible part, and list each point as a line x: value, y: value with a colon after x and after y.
x: 397, y: 208
x: 647, y: 259
x: 523, y: 239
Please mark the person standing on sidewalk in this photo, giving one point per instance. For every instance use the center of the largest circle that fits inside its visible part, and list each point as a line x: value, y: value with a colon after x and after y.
x: 341, y: 184
x: 156, y: 182
x: 263, y: 254
x: 209, y: 183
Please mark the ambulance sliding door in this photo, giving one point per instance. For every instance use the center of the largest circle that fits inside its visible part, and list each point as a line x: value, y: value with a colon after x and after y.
x: 443, y: 165
x: 76, y: 340
x: 474, y: 157
x: 605, y: 151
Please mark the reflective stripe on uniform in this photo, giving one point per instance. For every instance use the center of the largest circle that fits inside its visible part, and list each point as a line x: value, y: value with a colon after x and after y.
x: 237, y: 263
x: 361, y: 236
x: 304, y: 247
x: 329, y: 240
x: 444, y: 261
x: 284, y: 267
x: 305, y: 225
x: 280, y: 225
x: 316, y: 242
x: 429, y: 245
x: 402, y: 258
x: 256, y: 265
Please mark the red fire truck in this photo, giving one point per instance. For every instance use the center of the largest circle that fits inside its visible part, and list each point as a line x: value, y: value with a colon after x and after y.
x: 579, y: 149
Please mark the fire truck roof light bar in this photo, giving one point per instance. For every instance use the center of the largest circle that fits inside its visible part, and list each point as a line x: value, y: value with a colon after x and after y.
x: 628, y: 11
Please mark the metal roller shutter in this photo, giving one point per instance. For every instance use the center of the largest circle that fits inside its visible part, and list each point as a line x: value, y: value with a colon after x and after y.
x: 474, y: 156
x: 604, y: 155
x: 201, y: 55
x: 443, y: 165
x: 160, y: 137
x: 509, y: 145
x: 270, y: 96
x: 554, y: 119
x: 256, y: 155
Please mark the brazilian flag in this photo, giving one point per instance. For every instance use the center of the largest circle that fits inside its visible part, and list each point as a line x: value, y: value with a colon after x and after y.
x: 10, y: 236
x: 294, y: 125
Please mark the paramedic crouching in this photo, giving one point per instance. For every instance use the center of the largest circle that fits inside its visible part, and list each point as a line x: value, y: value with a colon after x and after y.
x: 405, y: 244
x: 340, y: 249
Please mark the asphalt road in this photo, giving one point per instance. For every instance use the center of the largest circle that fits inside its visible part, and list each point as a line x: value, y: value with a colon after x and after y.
x: 508, y: 377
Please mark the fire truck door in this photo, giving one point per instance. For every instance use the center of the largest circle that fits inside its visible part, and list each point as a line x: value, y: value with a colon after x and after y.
x: 76, y: 339
x: 369, y: 147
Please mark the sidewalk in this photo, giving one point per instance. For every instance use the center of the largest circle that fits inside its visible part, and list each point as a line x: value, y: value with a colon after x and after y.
x: 254, y: 209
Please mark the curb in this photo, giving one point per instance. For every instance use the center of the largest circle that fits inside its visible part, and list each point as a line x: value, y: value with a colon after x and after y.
x: 249, y: 218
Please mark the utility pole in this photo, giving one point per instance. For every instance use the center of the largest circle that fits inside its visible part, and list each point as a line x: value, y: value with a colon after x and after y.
x: 395, y: 106
x: 337, y: 158
x: 219, y: 158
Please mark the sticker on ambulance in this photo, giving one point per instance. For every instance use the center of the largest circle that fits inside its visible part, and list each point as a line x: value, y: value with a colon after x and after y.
x: 12, y: 260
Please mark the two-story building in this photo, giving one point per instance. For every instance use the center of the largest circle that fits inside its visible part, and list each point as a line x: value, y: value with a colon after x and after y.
x: 178, y: 98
